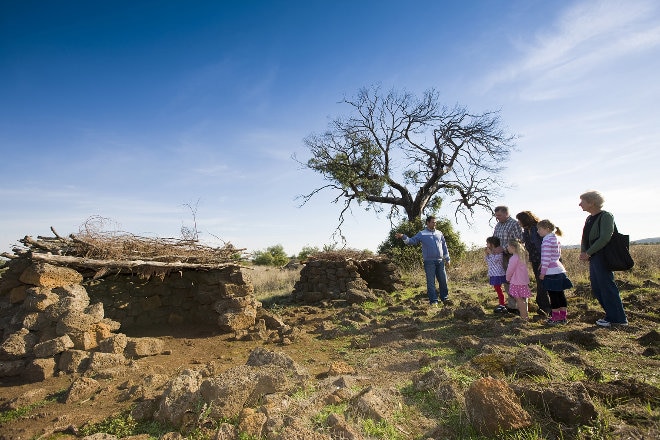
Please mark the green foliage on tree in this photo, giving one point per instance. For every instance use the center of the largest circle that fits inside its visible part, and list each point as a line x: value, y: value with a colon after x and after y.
x: 271, y: 256
x: 409, y: 257
x: 306, y: 252
x: 407, y: 154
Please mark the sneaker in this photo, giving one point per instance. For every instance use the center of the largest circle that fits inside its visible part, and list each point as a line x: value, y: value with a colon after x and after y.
x: 603, y: 323
x: 500, y: 309
x: 434, y: 304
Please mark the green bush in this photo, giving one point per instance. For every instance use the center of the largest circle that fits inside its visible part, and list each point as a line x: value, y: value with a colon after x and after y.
x: 307, y: 251
x: 410, y: 257
x: 272, y: 256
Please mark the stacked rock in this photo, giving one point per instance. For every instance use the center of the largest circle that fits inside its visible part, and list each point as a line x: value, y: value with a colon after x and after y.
x: 48, y: 326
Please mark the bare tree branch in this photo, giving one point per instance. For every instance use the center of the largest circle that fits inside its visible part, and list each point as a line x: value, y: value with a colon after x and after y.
x: 410, y: 153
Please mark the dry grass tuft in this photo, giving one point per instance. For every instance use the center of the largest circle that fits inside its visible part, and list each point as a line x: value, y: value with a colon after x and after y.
x: 268, y: 281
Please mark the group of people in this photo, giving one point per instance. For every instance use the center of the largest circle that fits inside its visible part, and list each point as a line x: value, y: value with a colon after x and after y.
x: 527, y: 239
x: 514, y: 243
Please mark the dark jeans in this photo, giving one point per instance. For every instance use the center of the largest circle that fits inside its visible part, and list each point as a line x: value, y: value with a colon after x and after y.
x: 605, y: 291
x: 436, y: 269
x: 542, y: 299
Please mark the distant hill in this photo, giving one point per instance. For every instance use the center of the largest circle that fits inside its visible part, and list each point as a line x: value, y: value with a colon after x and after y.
x: 654, y: 240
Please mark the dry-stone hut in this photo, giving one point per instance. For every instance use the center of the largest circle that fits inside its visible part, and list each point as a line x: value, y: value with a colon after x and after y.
x: 353, y: 277
x: 62, y: 313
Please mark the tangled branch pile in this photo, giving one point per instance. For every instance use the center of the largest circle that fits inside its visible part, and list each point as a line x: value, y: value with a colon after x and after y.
x: 102, y: 251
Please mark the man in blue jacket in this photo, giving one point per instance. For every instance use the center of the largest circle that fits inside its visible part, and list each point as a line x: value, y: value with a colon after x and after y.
x: 435, y: 256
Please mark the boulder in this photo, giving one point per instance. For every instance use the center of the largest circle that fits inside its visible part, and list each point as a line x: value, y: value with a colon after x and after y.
x: 181, y: 394
x: 228, y: 392
x: 74, y: 361
x: 52, y: 347
x: 102, y: 361
x: 18, y: 294
x: 75, y: 322
x: 47, y: 275
x: 11, y: 368
x: 141, y: 347
x: 17, y: 345
x: 567, y: 403
x: 374, y: 404
x: 115, y: 343
x: 38, y: 299
x: 35, y: 321
x: 340, y: 428
x: 38, y: 370
x: 237, y: 319
x: 251, y: 423
x: 492, y: 407
x: 261, y: 357
x: 530, y: 360
x: 81, y: 389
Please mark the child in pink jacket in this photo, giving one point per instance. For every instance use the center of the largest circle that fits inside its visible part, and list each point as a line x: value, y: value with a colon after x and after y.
x: 518, y: 276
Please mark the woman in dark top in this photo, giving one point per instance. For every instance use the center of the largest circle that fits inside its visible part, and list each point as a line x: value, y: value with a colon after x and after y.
x: 532, y: 241
x: 597, y: 232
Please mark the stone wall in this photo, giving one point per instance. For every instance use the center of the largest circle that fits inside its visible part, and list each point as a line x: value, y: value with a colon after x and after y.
x: 52, y: 320
x: 221, y: 297
x: 345, y: 279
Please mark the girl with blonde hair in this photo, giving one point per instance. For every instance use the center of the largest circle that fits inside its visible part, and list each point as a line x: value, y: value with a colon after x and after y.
x: 553, y: 272
x: 518, y: 277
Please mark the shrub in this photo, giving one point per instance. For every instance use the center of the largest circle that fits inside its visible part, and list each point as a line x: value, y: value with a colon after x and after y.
x: 307, y: 251
x: 410, y: 257
x: 272, y: 256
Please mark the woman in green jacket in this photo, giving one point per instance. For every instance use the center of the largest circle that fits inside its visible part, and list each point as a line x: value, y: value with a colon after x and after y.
x: 597, y: 232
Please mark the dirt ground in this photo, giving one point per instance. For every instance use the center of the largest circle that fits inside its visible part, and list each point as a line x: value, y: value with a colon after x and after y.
x: 185, y: 347
x: 387, y: 347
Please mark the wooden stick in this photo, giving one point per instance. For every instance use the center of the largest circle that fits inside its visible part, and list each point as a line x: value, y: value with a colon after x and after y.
x: 122, y: 264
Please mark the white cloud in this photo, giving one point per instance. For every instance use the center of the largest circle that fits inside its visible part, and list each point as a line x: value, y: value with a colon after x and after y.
x: 584, y: 39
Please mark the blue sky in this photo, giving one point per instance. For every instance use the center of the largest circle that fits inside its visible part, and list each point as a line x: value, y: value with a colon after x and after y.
x: 136, y: 111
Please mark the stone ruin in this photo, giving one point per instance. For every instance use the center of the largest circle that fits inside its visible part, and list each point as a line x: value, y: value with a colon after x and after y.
x: 61, y: 314
x: 53, y: 321
x: 341, y: 277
